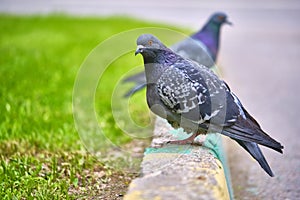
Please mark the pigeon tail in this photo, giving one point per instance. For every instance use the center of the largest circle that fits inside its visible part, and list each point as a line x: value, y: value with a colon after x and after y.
x: 256, y: 153
x: 249, y: 131
x: 135, y: 89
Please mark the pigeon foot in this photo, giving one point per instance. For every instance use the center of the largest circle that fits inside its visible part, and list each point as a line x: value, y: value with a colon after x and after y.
x: 188, y: 140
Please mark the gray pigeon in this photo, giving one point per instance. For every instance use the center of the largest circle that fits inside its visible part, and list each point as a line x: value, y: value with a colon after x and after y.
x: 191, y: 96
x: 201, y: 47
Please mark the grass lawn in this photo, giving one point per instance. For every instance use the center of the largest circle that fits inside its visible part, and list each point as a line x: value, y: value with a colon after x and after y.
x: 41, y: 154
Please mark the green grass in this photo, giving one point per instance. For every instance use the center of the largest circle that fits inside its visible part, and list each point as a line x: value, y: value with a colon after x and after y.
x: 40, y: 57
x: 42, y: 156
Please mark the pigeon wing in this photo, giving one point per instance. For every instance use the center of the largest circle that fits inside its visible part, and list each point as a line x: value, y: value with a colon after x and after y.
x: 193, y: 91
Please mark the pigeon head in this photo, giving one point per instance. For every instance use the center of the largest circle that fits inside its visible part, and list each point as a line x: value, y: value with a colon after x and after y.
x: 209, y: 35
x: 148, y: 44
x: 219, y: 18
x: 157, y: 57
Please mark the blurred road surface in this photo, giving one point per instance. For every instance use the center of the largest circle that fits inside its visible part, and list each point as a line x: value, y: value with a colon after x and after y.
x: 259, y: 59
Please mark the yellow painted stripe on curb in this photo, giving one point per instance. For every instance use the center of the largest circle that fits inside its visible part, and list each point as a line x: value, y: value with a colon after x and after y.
x: 209, y: 178
x: 221, y: 193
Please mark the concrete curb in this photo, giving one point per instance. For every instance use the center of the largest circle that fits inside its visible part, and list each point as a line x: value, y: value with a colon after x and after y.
x: 182, y: 171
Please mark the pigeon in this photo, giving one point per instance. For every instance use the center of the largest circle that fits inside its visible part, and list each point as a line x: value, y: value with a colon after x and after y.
x: 201, y: 47
x: 191, y: 96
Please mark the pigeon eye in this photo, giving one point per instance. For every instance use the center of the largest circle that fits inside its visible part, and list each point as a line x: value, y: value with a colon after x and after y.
x: 150, y: 42
x: 221, y: 18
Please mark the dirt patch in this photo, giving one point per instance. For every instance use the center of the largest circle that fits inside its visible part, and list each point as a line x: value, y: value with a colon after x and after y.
x: 102, y: 186
x: 111, y: 182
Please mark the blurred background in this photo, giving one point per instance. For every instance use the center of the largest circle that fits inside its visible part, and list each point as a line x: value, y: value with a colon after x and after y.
x: 258, y: 58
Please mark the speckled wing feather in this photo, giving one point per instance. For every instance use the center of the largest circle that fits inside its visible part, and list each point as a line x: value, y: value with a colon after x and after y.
x: 194, y: 92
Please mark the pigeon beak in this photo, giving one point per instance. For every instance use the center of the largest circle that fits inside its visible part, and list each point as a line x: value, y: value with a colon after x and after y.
x: 139, y: 49
x: 228, y: 22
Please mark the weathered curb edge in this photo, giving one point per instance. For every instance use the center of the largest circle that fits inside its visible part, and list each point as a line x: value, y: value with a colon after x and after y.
x: 182, y: 172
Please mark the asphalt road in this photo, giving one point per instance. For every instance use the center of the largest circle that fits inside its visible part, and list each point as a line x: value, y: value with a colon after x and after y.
x: 259, y: 59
